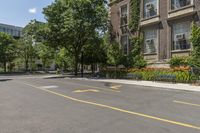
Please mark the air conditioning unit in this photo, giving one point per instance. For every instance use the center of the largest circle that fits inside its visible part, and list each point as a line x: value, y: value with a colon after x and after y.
x: 150, y: 6
x: 180, y: 37
x: 150, y: 47
x: 149, y: 41
x: 124, y: 16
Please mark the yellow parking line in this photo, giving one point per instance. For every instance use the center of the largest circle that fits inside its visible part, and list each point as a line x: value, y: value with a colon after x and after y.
x: 118, y: 109
x: 88, y: 86
x: 83, y: 91
x: 186, y: 103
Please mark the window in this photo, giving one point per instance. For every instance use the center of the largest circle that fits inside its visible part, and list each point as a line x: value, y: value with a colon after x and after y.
x: 125, y: 43
x: 176, y: 4
x: 150, y: 8
x: 124, y: 15
x: 150, y: 41
x: 181, y: 36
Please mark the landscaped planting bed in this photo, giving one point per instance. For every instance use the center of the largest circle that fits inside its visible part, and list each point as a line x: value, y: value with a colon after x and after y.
x: 177, y: 74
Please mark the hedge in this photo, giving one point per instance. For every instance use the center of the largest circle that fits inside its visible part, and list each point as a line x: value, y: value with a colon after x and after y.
x: 177, y: 74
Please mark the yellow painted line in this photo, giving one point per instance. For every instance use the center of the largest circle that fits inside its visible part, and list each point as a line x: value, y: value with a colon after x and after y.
x: 118, y: 109
x: 186, y: 103
x: 82, y: 91
x: 116, y: 87
x: 88, y: 86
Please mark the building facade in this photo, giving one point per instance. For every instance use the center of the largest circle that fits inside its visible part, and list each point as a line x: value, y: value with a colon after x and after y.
x: 165, y: 24
x: 14, y: 31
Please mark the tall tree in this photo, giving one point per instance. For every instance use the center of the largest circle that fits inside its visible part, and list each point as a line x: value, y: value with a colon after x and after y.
x: 7, y: 53
x: 95, y: 53
x: 33, y: 35
x: 73, y: 22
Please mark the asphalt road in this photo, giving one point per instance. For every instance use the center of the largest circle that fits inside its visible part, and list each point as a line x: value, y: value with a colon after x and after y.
x: 38, y: 105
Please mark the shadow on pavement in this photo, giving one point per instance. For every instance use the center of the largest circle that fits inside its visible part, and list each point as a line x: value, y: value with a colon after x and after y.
x: 4, y: 80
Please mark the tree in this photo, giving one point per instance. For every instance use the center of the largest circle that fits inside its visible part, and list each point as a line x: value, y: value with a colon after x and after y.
x: 95, y: 53
x: 195, y: 40
x: 63, y: 59
x: 72, y: 23
x: 45, y: 53
x: 7, y: 50
x: 26, y: 51
x: 114, y: 54
x: 135, y: 59
x: 32, y: 44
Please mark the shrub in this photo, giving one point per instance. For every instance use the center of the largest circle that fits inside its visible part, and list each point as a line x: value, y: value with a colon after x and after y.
x: 176, y: 74
x: 195, y: 40
x: 178, y: 61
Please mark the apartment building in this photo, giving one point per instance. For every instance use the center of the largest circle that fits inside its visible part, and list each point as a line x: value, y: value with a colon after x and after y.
x: 14, y: 31
x: 165, y: 25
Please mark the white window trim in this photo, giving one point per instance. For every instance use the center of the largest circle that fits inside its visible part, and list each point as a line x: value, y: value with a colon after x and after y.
x: 172, y: 38
x: 157, y: 45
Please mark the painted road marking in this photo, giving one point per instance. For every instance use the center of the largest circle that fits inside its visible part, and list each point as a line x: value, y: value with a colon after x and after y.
x: 86, y: 86
x: 48, y: 87
x: 186, y: 103
x: 82, y: 91
x: 115, y: 87
x: 118, y: 109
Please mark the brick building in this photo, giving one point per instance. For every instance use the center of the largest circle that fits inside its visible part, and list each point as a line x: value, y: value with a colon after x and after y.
x: 165, y: 24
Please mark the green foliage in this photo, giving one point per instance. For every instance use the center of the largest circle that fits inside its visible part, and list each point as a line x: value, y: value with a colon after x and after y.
x: 7, y: 49
x: 178, y: 61
x: 95, y: 51
x: 72, y: 24
x: 195, y: 40
x: 167, y: 75
x: 46, y: 54
x: 63, y: 59
x: 135, y: 58
x: 114, y: 54
x: 135, y: 15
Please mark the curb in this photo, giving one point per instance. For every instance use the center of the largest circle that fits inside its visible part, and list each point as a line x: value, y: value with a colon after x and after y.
x: 177, y: 86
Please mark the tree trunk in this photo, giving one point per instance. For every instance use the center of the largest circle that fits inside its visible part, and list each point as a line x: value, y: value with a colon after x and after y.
x: 4, y: 65
x: 76, y: 65
x: 26, y: 65
x: 93, y: 67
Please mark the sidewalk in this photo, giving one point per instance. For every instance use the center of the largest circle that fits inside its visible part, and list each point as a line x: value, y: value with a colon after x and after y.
x: 177, y: 86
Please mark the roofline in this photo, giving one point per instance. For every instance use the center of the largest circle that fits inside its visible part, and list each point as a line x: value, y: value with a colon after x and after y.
x: 11, y: 25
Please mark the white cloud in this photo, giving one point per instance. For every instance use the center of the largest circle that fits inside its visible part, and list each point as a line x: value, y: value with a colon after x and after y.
x: 32, y: 10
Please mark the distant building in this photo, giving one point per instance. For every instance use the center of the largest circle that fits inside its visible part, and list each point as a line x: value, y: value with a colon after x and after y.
x: 14, y: 31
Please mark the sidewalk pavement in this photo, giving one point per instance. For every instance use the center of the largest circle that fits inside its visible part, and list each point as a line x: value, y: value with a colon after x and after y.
x: 173, y: 86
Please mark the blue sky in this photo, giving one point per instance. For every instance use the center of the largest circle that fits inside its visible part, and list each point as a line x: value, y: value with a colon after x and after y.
x: 20, y: 12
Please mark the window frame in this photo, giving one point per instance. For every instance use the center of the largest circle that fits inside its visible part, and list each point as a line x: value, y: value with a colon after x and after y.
x: 122, y: 45
x: 173, y: 49
x: 180, y: 8
x: 155, y: 45
x: 144, y: 10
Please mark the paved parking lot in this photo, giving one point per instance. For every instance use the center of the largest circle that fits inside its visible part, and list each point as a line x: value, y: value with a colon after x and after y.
x: 39, y: 105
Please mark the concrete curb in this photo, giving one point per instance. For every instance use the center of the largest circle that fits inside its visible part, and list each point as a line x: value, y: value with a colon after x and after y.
x: 177, y: 86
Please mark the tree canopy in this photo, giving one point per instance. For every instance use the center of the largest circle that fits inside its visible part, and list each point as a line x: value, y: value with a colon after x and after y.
x: 74, y: 23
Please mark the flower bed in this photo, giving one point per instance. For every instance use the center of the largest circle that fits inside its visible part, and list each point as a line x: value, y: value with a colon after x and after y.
x: 177, y: 74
